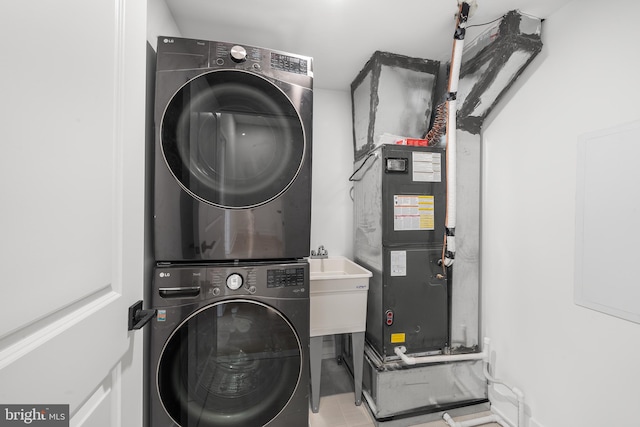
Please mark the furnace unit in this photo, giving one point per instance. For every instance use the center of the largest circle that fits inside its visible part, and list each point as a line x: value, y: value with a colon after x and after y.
x: 400, y: 196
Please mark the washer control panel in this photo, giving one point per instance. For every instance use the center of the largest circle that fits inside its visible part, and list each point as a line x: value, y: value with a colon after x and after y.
x: 184, y: 284
x: 285, y: 277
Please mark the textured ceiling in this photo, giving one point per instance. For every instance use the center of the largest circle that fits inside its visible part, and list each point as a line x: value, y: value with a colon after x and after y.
x: 341, y: 35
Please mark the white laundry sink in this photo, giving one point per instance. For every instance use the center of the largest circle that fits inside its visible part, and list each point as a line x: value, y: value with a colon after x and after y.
x: 338, y: 293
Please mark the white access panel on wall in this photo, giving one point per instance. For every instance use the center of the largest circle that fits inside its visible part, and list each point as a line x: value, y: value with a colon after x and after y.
x: 607, y: 243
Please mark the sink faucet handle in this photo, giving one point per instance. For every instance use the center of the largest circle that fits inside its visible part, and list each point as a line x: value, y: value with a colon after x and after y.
x: 320, y: 253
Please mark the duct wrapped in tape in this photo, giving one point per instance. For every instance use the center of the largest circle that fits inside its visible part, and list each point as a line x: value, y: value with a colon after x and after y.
x: 393, y: 94
x: 491, y: 64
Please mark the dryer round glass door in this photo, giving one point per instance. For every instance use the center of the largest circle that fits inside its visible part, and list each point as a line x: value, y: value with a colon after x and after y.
x: 232, y: 139
x: 234, y: 363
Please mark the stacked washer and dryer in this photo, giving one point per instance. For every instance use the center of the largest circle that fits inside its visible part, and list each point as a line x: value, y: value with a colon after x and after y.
x: 232, y: 213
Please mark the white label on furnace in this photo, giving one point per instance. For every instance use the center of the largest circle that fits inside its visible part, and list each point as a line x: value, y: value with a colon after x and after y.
x: 398, y: 263
x: 416, y: 212
x: 427, y: 167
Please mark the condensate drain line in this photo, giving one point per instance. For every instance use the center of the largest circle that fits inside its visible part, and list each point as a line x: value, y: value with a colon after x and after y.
x: 485, y: 357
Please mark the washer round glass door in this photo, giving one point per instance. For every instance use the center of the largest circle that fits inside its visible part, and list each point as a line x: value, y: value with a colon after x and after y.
x: 233, y: 363
x: 232, y: 139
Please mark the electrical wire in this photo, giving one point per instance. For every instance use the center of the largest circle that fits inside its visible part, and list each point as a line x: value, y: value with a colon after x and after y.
x: 530, y: 16
x: 444, y: 249
x: 486, y: 23
x: 502, y: 17
x: 364, y: 162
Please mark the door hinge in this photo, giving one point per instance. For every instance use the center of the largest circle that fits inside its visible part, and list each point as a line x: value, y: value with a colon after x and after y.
x: 139, y: 317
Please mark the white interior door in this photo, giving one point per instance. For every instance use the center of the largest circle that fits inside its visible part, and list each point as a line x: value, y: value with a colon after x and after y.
x: 72, y: 194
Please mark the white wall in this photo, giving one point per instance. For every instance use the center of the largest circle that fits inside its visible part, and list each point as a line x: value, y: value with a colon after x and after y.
x: 160, y: 22
x: 331, y: 205
x: 577, y: 367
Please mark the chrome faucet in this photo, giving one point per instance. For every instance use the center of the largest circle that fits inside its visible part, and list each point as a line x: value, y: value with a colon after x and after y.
x: 321, y: 253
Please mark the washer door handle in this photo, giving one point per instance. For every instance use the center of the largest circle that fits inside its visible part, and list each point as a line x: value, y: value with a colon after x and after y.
x: 186, y: 292
x: 139, y: 317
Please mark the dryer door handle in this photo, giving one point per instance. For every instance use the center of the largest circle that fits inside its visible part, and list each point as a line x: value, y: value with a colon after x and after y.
x: 187, y: 292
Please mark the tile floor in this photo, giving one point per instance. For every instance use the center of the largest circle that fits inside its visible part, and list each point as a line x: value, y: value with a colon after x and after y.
x: 337, y: 407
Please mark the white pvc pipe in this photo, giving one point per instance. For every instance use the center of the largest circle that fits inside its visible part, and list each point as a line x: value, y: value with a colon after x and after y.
x: 516, y: 392
x: 484, y: 355
x: 451, y: 163
x: 520, y: 397
x: 423, y: 360
x: 493, y: 418
x: 451, y: 145
x: 454, y: 77
x: 452, y: 124
x: 500, y: 415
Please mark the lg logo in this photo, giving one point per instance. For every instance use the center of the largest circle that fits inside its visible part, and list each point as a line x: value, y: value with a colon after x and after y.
x: 165, y: 275
x: 167, y: 41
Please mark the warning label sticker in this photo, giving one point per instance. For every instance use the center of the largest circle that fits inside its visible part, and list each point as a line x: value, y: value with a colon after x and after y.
x: 413, y: 213
x: 397, y: 338
x: 427, y: 167
x: 398, y: 263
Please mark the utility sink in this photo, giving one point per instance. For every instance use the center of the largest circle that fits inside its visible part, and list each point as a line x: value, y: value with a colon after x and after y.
x: 338, y: 294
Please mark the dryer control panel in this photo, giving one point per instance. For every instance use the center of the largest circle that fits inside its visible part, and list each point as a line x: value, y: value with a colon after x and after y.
x: 257, y: 58
x: 176, y: 53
